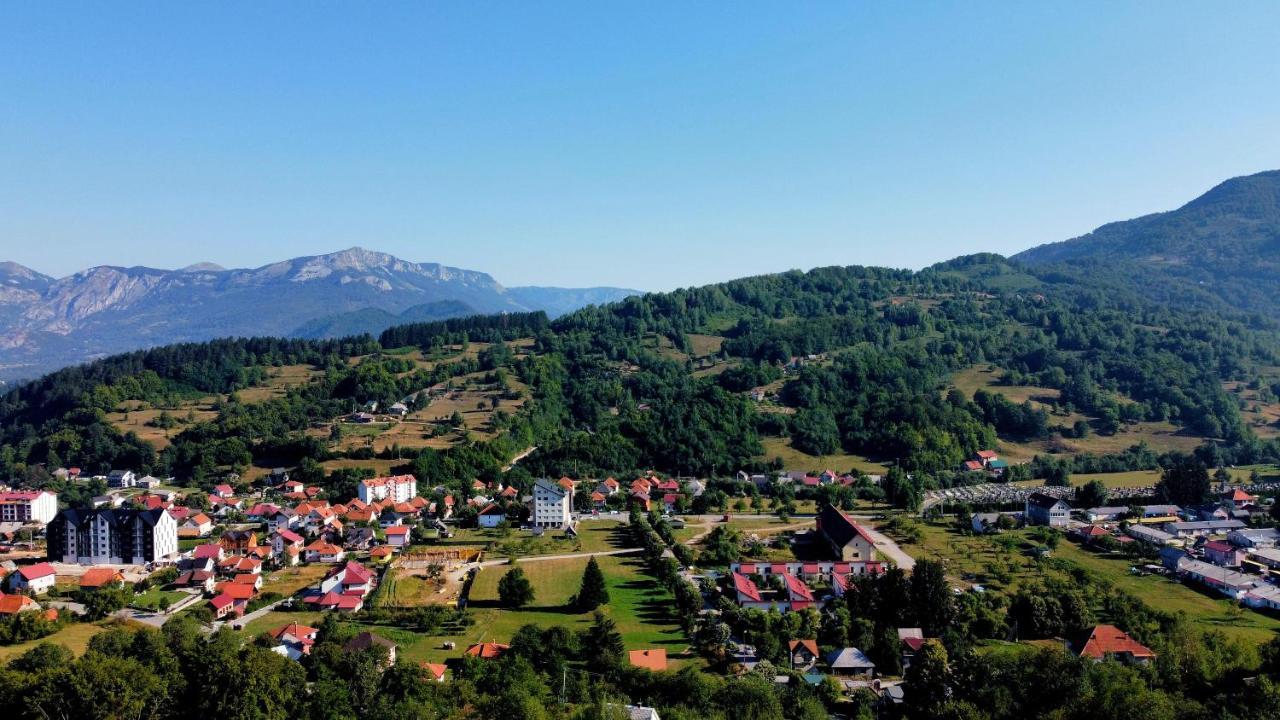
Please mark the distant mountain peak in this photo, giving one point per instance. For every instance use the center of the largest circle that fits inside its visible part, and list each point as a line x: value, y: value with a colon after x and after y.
x: 203, y: 267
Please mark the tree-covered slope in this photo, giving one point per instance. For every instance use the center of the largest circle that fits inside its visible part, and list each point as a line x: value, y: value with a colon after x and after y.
x: 1223, y: 248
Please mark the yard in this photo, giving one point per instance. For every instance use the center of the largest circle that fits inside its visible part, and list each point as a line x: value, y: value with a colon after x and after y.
x: 288, y: 581
x: 75, y: 637
x: 151, y: 599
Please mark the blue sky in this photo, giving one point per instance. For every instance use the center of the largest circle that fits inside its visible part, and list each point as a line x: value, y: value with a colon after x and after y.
x: 650, y: 145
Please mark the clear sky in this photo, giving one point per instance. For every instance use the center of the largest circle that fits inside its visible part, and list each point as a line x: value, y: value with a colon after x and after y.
x: 643, y: 144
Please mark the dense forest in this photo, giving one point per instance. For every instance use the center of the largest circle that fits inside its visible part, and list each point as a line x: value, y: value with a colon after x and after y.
x: 862, y: 359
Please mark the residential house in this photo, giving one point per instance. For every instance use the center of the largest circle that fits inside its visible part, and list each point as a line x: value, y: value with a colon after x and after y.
x: 435, y: 671
x: 850, y: 662
x: 368, y: 641
x: 359, y: 538
x: 1238, y: 499
x: 197, y: 525
x: 32, y: 579
x: 848, y: 540
x: 491, y: 516
x: 748, y: 595
x: 121, y: 479
x: 224, y: 491
x: 203, y: 580
x: 209, y: 551
x: 399, y: 536
x: 1150, y: 535
x: 1223, y: 553
x: 323, y: 552
x: 799, y: 594
x: 11, y: 605
x: 912, y: 639
x: 351, y: 578
x: 802, y: 654
x: 98, y: 578
x: 294, y: 640
x: 1228, y: 582
x: 238, y: 541
x: 283, y: 519
x: 1159, y: 511
x: 487, y: 650
x: 1042, y: 509
x: 1109, y: 641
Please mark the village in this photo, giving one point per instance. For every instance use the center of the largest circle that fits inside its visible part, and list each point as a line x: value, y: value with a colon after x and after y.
x: 273, y: 560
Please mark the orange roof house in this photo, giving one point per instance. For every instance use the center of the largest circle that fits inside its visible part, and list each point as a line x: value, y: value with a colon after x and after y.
x: 100, y: 577
x: 487, y: 651
x: 655, y: 660
x: 1107, y: 640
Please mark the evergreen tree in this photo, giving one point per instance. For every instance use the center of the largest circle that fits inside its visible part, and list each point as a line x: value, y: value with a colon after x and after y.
x: 514, y: 589
x: 602, y: 643
x: 593, y: 592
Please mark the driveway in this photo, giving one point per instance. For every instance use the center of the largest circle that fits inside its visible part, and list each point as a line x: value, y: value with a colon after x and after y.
x: 889, y: 549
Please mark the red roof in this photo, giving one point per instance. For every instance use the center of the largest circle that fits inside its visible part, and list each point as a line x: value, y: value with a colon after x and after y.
x: 797, y: 588
x: 208, y: 551
x: 810, y: 645
x: 294, y: 629
x: 398, y: 530
x: 492, y: 509
x: 355, y: 573
x: 988, y: 454
x: 289, y: 536
x: 747, y: 568
x: 809, y: 569
x: 487, y: 650
x: 566, y: 483
x: 99, y: 576
x: 1111, y: 640
x: 37, y: 571
x: 972, y: 465
x: 1219, y: 546
x: 1238, y: 495
x: 436, y: 669
x: 390, y: 480
x: 745, y: 587
x: 221, y: 601
x: 14, y: 604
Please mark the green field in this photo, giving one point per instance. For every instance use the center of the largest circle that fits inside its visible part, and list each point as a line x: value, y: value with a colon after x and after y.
x: 150, y: 600
x: 75, y: 637
x: 793, y: 459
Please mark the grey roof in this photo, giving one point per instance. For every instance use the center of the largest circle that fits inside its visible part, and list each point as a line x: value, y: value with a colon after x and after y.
x: 1107, y: 510
x: 1205, y: 525
x: 549, y: 486
x: 1161, y: 509
x: 1150, y: 534
x: 1044, y: 501
x: 849, y: 658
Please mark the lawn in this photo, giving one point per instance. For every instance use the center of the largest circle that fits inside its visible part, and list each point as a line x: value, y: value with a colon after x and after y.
x: 288, y: 581
x: 793, y: 459
x: 150, y: 600
x: 593, y: 536
x: 276, y: 618
x: 75, y: 637
x: 1135, y: 478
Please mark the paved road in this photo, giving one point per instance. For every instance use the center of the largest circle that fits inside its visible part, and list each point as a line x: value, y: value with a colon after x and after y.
x: 567, y: 556
x: 890, y: 549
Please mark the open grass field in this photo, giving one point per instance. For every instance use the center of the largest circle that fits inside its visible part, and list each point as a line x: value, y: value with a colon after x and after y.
x: 150, y: 600
x: 74, y: 637
x: 134, y: 417
x: 704, y: 345
x: 279, y: 380
x: 288, y: 581
x: 593, y: 536
x: 1161, y: 436
x: 793, y: 459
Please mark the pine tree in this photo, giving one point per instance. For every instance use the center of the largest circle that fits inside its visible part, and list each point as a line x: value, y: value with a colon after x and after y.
x: 593, y: 592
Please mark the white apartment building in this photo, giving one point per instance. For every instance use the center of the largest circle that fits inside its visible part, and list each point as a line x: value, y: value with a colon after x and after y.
x: 38, y: 506
x: 552, y: 505
x: 399, y: 488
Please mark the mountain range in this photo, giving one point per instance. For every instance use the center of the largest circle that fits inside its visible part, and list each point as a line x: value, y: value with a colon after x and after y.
x: 1220, y: 251
x: 46, y: 323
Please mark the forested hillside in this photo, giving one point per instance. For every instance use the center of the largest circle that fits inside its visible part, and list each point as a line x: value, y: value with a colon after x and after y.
x: 697, y: 381
x: 1222, y: 249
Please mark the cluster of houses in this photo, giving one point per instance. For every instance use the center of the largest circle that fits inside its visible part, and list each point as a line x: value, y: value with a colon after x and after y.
x: 798, y: 478
x: 793, y: 586
x: 985, y: 461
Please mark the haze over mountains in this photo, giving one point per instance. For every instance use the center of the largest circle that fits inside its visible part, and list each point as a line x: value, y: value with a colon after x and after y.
x: 46, y: 323
x: 1221, y: 251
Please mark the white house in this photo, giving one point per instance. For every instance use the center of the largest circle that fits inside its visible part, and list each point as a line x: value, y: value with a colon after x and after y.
x: 37, y: 506
x: 399, y: 488
x: 1042, y: 509
x: 491, y: 516
x: 33, y: 579
x: 552, y: 505
x: 122, y: 479
x: 398, y: 536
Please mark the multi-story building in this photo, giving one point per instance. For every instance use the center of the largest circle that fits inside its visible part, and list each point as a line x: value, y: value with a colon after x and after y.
x: 118, y: 537
x: 122, y: 479
x: 1042, y: 509
x: 38, y: 506
x: 552, y: 505
x: 399, y: 488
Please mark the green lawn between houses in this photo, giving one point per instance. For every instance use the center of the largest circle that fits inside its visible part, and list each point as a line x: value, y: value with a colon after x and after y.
x: 638, y: 604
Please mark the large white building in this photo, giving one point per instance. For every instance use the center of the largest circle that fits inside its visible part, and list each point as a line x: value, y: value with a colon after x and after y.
x: 38, y: 506
x: 552, y: 505
x: 399, y: 488
x: 117, y: 537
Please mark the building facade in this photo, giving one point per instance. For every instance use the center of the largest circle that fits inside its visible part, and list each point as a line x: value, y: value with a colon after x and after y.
x: 118, y: 537
x: 398, y: 488
x: 552, y: 505
x: 1042, y: 509
x: 38, y: 506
